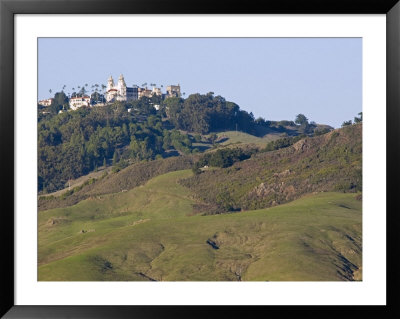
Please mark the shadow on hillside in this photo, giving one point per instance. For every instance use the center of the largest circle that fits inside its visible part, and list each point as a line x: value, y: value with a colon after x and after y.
x: 203, y: 148
x: 170, y: 153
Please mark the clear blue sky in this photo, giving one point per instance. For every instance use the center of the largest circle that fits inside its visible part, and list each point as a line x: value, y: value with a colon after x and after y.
x: 275, y: 78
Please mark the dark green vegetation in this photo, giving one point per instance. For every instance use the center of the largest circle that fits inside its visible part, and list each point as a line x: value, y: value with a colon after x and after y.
x: 283, y: 142
x: 288, y: 214
x: 222, y: 158
x: 74, y: 143
x: 356, y: 120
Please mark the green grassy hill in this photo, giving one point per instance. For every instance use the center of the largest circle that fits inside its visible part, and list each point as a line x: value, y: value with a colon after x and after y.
x: 297, y: 218
x: 150, y: 233
x: 232, y: 137
x: 330, y: 162
x: 130, y: 177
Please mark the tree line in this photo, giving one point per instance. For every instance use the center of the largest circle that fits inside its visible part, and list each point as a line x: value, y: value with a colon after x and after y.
x: 72, y: 144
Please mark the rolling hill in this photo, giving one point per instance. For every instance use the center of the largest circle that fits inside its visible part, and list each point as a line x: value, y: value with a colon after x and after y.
x: 149, y: 233
x: 292, y: 214
x: 330, y: 162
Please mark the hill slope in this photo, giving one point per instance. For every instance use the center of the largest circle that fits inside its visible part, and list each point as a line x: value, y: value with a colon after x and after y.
x: 330, y: 162
x: 142, y: 223
x: 130, y: 177
x: 148, y: 233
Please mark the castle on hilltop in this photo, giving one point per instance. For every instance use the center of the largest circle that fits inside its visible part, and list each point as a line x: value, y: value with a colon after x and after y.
x: 121, y: 92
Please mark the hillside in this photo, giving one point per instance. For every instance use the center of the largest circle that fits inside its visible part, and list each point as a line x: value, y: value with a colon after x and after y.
x: 232, y: 137
x: 293, y: 214
x: 130, y: 177
x: 150, y: 233
x: 76, y: 143
x: 330, y: 162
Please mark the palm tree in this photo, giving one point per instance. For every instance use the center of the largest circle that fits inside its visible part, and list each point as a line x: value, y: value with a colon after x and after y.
x: 103, y: 87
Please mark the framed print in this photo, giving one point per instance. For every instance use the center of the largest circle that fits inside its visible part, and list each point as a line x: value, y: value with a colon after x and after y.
x: 185, y: 160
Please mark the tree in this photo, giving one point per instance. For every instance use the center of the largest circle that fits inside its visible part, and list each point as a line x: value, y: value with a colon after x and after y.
x: 59, y: 102
x: 346, y: 123
x: 82, y: 91
x: 213, y: 138
x: 358, y: 119
x: 96, y: 97
x: 115, y: 158
x: 197, y: 138
x: 301, y: 119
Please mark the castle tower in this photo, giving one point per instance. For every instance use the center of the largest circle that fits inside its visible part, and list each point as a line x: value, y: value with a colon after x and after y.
x: 122, y: 88
x: 110, y: 83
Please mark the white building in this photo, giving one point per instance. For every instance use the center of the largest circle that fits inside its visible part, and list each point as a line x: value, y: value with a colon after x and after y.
x: 46, y: 102
x: 156, y: 91
x: 120, y: 92
x: 77, y: 102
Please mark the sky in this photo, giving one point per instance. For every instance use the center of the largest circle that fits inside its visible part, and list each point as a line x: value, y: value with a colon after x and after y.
x: 274, y: 78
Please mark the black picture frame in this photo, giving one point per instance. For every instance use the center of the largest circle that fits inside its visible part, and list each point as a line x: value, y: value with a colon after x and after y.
x: 8, y: 8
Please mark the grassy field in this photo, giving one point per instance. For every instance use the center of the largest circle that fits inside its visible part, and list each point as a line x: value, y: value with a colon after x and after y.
x: 151, y: 233
x: 234, y: 138
x: 241, y: 137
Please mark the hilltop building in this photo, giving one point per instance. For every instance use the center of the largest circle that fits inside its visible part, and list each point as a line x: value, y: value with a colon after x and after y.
x: 46, y: 102
x: 173, y: 91
x: 144, y: 92
x: 120, y: 92
x: 77, y: 102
